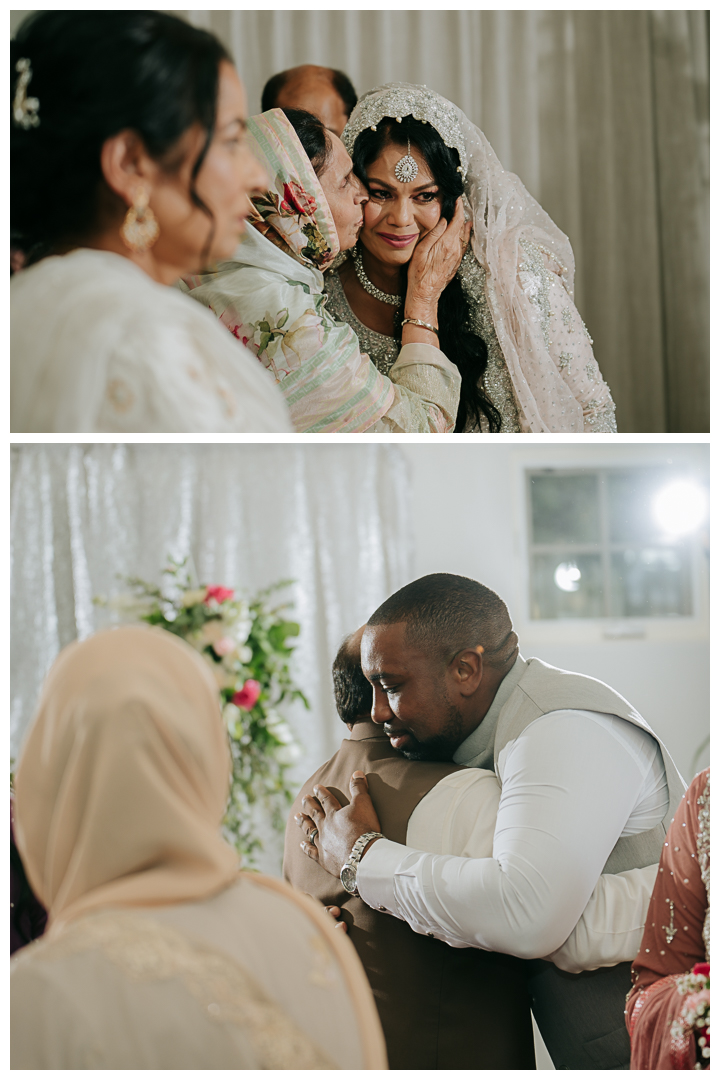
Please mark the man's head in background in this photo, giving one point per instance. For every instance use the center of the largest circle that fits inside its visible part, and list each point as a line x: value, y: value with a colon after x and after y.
x: 326, y: 93
x: 353, y: 692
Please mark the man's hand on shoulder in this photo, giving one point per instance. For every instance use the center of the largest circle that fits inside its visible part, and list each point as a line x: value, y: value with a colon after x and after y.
x: 335, y: 828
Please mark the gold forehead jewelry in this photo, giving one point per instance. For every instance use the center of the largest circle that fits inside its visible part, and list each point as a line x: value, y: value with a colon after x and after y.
x: 407, y: 168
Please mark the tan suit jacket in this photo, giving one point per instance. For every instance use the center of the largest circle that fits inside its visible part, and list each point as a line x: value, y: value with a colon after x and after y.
x: 440, y: 1007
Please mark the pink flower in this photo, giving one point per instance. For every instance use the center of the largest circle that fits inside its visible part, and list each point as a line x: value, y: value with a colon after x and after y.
x: 297, y: 200
x: 218, y: 593
x: 701, y: 969
x: 225, y: 646
x: 246, y: 698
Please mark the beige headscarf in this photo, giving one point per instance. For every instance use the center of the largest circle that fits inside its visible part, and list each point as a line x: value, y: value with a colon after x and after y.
x: 124, y: 777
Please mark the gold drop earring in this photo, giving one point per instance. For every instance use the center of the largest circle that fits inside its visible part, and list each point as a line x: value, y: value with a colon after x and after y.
x: 140, y: 229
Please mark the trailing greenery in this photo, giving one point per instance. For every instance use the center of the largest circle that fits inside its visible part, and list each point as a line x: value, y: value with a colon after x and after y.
x: 246, y: 644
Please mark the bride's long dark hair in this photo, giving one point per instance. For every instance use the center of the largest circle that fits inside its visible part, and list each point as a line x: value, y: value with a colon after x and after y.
x: 457, y: 340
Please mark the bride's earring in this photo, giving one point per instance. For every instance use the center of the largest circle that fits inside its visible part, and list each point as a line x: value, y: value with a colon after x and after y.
x: 407, y: 168
x: 140, y: 229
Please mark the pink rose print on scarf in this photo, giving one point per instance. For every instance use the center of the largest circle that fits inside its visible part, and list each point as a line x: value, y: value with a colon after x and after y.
x: 244, y: 332
x: 297, y: 201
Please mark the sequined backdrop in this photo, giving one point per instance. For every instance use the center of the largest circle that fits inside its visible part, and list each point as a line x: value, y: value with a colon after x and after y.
x: 333, y: 518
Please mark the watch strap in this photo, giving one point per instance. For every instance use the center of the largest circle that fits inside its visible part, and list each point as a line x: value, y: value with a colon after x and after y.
x: 357, y: 850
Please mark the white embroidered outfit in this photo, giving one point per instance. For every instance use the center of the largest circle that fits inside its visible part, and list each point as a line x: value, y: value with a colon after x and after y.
x: 97, y: 345
x: 528, y: 270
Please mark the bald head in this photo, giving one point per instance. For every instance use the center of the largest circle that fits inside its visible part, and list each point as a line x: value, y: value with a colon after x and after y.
x: 324, y: 92
x: 445, y: 613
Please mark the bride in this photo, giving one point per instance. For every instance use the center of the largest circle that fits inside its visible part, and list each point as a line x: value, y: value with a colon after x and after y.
x: 507, y: 319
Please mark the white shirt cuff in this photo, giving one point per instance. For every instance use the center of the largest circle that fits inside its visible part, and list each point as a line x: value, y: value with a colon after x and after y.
x: 376, y: 875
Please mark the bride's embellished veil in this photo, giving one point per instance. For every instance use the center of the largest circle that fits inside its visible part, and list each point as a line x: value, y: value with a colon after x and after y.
x: 505, y: 217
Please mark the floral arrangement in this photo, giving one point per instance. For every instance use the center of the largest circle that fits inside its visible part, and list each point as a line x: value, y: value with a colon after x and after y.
x: 245, y: 642
x: 694, y: 1018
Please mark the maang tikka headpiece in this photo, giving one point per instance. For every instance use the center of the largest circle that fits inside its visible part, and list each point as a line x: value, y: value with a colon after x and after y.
x: 407, y: 168
x: 405, y: 99
x: 25, y: 108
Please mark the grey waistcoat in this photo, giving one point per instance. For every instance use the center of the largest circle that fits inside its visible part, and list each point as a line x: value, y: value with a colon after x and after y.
x: 543, y: 689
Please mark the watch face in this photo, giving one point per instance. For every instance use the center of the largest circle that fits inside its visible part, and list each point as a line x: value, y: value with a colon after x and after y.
x: 348, y: 878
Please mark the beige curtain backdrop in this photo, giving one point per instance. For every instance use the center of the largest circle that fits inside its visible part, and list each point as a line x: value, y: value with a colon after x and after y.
x: 604, y: 115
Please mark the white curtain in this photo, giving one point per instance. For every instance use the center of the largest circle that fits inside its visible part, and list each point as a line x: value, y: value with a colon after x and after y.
x: 603, y: 114
x: 333, y: 518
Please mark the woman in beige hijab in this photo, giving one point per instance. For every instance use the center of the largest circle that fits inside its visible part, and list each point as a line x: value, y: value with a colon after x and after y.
x: 160, y: 953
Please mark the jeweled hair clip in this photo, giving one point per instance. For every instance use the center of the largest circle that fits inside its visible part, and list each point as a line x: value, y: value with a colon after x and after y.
x: 25, y: 109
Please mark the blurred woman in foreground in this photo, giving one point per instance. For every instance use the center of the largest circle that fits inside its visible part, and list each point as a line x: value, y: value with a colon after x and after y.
x: 129, y: 168
x: 160, y: 953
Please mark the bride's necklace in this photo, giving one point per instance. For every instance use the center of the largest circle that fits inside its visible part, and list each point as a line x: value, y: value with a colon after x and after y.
x: 387, y: 298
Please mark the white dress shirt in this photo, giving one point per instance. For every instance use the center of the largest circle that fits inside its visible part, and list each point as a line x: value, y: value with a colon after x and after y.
x: 570, y: 785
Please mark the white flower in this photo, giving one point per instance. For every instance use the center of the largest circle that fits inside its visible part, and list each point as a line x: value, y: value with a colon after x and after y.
x: 240, y: 629
x: 245, y: 654
x: 231, y: 716
x: 282, y: 732
x: 288, y: 754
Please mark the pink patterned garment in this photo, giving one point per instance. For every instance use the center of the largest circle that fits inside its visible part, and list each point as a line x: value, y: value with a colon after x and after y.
x: 666, y: 994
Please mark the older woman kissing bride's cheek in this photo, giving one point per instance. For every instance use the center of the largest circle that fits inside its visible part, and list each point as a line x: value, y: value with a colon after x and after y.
x: 270, y: 295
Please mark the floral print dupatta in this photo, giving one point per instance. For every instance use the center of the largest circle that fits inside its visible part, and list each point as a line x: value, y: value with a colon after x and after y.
x: 270, y: 294
x: 293, y: 213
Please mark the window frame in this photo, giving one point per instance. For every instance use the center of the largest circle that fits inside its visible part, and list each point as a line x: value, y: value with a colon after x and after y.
x: 609, y: 628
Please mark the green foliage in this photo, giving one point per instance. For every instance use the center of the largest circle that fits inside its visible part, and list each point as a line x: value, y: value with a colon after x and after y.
x: 245, y: 642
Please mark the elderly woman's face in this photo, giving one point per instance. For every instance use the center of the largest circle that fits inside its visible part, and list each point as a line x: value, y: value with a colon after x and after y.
x: 344, y: 192
x: 227, y: 177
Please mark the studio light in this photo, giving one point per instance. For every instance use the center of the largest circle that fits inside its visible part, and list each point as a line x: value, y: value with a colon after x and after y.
x: 567, y: 577
x: 680, y: 507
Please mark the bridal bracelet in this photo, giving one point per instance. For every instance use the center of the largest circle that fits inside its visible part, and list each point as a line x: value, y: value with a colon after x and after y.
x: 424, y: 325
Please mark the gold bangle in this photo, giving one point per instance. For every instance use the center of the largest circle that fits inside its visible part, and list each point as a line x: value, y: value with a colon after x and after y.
x: 424, y: 325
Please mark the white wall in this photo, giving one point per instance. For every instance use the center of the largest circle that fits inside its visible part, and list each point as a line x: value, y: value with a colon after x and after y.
x: 468, y: 507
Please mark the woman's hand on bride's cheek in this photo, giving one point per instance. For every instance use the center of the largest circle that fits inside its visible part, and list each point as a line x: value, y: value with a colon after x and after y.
x: 437, y: 257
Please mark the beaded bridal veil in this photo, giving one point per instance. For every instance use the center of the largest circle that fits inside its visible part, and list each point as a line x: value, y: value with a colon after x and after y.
x: 520, y: 265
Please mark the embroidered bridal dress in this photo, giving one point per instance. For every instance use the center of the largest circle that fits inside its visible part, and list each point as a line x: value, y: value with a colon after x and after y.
x: 160, y: 953
x: 270, y: 296
x: 97, y: 345
x: 517, y: 274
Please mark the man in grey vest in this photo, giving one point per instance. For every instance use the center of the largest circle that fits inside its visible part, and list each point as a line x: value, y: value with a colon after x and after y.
x: 586, y: 787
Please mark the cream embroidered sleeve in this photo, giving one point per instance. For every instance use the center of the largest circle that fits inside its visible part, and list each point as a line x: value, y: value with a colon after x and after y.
x: 566, y: 336
x: 571, y: 349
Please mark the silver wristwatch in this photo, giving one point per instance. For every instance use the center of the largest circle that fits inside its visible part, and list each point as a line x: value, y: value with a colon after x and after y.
x: 348, y: 874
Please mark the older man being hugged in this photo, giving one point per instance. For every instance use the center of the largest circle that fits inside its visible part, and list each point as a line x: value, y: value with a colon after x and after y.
x: 586, y: 787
